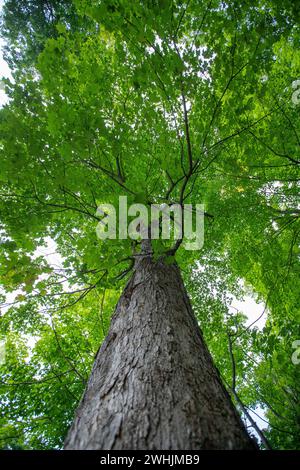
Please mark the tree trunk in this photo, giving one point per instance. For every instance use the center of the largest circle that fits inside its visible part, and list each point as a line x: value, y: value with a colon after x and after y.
x: 153, y: 383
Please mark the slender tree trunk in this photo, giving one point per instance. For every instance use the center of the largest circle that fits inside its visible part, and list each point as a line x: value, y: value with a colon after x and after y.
x: 153, y: 383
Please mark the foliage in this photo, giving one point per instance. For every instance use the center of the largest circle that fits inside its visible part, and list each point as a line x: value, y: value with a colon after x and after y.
x: 161, y: 101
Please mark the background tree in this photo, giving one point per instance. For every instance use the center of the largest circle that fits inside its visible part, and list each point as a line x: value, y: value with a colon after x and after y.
x: 163, y: 102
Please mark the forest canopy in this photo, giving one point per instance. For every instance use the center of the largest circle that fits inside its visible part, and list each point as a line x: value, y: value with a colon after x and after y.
x: 162, y: 101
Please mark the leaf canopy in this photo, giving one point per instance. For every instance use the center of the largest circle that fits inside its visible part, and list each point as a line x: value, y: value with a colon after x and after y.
x: 160, y: 101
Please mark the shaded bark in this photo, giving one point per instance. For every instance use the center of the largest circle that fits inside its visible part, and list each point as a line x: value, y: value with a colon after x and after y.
x: 153, y: 383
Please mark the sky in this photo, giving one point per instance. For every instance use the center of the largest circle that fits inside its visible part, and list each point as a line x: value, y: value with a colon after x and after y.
x: 4, y: 69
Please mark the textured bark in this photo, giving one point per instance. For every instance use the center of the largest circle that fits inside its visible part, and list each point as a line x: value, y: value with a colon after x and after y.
x: 153, y: 383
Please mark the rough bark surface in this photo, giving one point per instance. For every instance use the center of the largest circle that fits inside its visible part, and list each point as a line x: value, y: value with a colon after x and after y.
x: 153, y: 383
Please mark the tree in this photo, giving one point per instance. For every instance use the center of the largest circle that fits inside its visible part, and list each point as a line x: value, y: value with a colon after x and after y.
x: 151, y: 101
x: 153, y: 384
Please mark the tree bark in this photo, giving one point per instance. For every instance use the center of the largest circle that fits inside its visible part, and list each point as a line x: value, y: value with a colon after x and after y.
x: 153, y: 384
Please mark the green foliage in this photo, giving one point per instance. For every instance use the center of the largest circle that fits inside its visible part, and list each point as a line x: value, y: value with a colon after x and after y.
x: 177, y: 102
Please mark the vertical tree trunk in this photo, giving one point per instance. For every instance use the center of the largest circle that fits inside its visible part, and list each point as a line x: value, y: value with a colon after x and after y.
x: 153, y: 383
